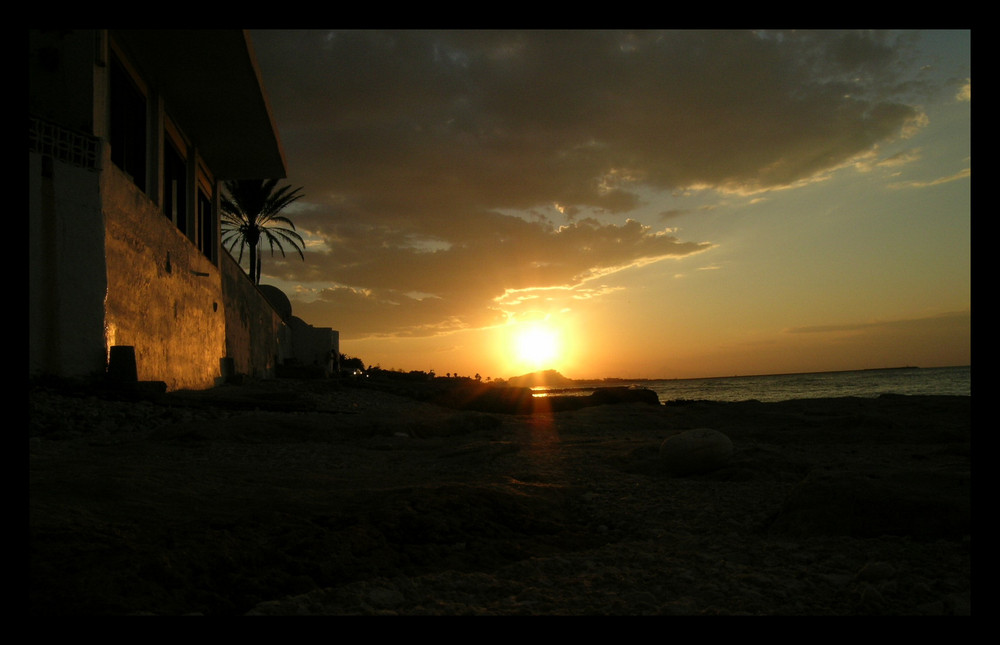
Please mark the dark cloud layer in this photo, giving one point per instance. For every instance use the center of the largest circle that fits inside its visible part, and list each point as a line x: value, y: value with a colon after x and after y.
x: 416, y: 148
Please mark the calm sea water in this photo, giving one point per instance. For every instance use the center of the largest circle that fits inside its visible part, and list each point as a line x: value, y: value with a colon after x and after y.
x: 864, y: 383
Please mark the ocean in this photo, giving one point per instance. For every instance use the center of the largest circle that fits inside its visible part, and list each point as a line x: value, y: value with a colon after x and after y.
x: 782, y: 387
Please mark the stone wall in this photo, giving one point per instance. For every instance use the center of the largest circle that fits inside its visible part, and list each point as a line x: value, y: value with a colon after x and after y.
x: 164, y: 297
x: 257, y: 340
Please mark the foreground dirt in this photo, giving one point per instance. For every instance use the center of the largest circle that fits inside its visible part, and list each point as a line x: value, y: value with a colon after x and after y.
x: 299, y: 497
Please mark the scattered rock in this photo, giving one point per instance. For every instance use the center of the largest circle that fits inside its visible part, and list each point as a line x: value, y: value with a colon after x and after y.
x: 695, y: 451
x: 613, y: 395
x: 915, y: 503
x: 386, y: 598
x: 876, y: 572
x: 872, y: 600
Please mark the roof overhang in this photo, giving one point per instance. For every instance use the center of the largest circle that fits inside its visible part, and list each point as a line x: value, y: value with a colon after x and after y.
x: 212, y: 87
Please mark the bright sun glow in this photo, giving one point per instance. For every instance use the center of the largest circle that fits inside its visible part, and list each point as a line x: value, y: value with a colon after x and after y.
x: 536, y: 346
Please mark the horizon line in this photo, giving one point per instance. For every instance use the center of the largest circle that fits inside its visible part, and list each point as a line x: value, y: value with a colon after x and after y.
x: 695, y: 378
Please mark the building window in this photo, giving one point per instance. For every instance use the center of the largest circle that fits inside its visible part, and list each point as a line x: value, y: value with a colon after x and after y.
x: 175, y: 187
x: 207, y: 240
x: 128, y: 125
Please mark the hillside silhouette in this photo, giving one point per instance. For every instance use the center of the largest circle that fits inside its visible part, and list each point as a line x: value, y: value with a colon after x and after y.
x: 546, y: 378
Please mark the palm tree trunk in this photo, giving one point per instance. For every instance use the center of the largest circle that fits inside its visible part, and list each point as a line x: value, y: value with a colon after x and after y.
x: 254, y: 270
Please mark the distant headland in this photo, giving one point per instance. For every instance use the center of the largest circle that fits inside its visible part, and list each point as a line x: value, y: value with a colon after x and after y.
x: 554, y: 379
x: 546, y: 378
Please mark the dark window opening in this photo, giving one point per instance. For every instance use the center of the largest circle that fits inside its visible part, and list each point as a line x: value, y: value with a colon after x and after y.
x: 175, y: 188
x: 207, y: 240
x: 128, y: 125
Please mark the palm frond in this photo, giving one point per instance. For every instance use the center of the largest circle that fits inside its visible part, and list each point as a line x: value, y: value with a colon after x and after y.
x: 250, y: 213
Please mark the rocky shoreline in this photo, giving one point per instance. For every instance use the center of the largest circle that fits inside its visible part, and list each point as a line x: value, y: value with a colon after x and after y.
x: 320, y: 498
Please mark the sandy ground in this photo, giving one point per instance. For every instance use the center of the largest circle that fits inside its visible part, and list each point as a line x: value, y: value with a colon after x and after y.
x: 315, y: 498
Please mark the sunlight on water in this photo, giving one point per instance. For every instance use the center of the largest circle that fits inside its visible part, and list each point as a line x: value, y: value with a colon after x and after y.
x: 956, y: 381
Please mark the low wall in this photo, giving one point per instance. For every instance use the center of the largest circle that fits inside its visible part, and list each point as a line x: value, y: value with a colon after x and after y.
x: 257, y: 340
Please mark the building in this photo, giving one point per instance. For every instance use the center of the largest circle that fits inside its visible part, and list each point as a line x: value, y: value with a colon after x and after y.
x: 130, y: 135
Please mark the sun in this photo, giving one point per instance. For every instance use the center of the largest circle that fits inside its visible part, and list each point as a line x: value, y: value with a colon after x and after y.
x: 536, y: 346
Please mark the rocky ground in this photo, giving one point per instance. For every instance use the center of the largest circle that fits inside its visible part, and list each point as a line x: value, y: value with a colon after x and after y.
x: 316, y: 498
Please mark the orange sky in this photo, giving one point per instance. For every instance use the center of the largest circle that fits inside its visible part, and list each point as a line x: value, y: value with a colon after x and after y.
x: 655, y: 204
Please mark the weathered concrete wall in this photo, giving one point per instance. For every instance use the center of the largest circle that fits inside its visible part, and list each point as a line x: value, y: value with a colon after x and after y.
x: 257, y: 340
x: 66, y: 276
x: 163, y: 296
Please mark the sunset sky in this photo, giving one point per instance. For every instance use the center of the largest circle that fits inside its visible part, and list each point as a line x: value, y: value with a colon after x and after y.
x: 647, y: 204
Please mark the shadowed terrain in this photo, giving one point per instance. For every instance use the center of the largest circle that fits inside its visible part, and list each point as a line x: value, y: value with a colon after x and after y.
x: 309, y: 497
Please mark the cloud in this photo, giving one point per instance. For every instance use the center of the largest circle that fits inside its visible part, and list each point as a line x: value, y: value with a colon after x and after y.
x: 965, y: 92
x: 965, y: 173
x: 469, y: 165
x: 469, y: 282
x: 962, y: 318
x: 539, y: 117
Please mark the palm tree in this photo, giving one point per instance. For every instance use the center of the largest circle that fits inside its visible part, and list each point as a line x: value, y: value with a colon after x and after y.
x: 250, y: 215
